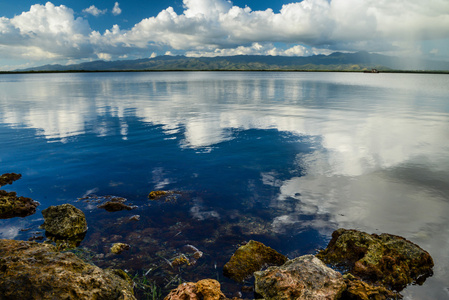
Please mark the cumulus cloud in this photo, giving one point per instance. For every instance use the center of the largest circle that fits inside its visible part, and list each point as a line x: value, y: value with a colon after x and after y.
x: 94, y: 11
x: 217, y: 27
x: 116, y: 10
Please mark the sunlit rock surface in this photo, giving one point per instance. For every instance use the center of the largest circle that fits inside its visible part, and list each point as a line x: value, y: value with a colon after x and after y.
x: 30, y: 270
x: 305, y: 277
x: 11, y: 205
x: 204, y: 289
x: 250, y: 258
x: 384, y: 259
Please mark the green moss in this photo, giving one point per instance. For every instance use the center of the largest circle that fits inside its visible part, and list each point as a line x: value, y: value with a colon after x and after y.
x: 382, y: 259
x: 250, y: 258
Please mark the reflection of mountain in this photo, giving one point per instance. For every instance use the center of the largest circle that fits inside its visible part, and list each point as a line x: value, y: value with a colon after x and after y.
x: 334, y: 61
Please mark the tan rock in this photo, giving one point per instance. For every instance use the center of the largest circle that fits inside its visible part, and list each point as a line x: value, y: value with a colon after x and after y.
x: 305, y: 277
x: 206, y: 289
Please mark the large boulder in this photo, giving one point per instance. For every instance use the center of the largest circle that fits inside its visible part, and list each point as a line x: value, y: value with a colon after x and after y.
x: 385, y: 259
x: 64, y: 224
x: 305, y: 277
x: 11, y: 205
x: 207, y: 289
x: 250, y: 258
x: 30, y: 270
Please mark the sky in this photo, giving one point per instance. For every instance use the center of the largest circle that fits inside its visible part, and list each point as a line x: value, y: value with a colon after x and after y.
x: 34, y: 33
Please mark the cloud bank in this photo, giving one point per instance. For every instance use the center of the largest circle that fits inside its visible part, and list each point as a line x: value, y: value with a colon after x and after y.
x: 216, y: 27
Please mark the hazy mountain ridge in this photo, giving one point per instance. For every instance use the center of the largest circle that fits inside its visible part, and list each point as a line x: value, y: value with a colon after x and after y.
x: 337, y: 61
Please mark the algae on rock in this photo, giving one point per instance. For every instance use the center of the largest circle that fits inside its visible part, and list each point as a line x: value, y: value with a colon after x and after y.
x: 30, y: 270
x: 383, y: 259
x: 250, y: 258
x: 11, y: 205
x: 64, y: 224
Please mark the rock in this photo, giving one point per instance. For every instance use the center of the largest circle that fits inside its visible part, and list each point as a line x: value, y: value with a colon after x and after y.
x: 115, y: 206
x: 118, y: 248
x: 134, y: 218
x: 305, y: 277
x: 359, y: 290
x: 250, y: 258
x: 207, y: 289
x: 12, y: 206
x: 30, y: 270
x: 385, y: 259
x: 9, y: 178
x: 64, y: 224
x: 156, y: 194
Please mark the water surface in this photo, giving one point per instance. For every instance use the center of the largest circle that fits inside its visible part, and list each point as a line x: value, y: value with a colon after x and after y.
x: 284, y: 158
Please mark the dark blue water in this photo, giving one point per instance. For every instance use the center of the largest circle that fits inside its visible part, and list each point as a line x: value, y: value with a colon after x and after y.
x: 284, y: 158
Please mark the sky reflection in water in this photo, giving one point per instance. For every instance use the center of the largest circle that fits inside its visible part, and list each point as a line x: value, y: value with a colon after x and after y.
x: 324, y: 150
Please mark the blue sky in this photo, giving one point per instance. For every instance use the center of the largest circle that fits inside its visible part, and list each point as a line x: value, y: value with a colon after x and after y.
x: 38, y: 32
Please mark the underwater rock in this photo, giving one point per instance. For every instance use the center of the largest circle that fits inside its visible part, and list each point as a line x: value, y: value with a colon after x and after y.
x: 114, y: 205
x: 359, y: 290
x: 250, y: 258
x: 12, y: 206
x: 207, y: 289
x: 118, y: 248
x: 388, y: 260
x: 9, y: 178
x: 64, y: 223
x: 305, y: 277
x: 30, y: 270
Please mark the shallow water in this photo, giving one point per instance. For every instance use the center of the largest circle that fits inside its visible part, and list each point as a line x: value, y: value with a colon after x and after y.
x: 283, y: 158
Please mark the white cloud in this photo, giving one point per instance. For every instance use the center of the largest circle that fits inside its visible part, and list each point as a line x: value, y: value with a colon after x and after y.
x: 216, y: 27
x: 94, y: 11
x: 116, y: 10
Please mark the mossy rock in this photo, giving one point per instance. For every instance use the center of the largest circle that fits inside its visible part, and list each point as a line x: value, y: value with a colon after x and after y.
x: 9, y: 178
x: 30, y: 270
x: 11, y: 205
x: 250, y: 258
x: 64, y: 220
x: 384, y: 259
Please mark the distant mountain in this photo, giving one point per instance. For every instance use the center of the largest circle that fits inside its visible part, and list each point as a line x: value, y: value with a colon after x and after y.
x: 334, y: 62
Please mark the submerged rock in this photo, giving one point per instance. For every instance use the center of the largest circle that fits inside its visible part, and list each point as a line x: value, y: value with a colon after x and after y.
x: 305, y: 277
x: 250, y: 258
x: 11, y: 205
x: 118, y: 248
x: 30, y: 270
x: 207, y: 289
x: 115, y: 206
x: 64, y: 224
x: 384, y: 259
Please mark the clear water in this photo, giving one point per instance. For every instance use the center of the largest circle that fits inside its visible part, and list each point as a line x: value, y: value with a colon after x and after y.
x: 284, y: 158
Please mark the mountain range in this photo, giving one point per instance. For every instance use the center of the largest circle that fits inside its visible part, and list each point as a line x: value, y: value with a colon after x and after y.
x: 336, y: 61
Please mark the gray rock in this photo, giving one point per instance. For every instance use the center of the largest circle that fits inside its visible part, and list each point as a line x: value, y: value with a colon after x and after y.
x: 305, y: 277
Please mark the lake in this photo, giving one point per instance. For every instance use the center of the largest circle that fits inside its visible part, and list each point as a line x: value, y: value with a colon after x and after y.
x: 284, y: 158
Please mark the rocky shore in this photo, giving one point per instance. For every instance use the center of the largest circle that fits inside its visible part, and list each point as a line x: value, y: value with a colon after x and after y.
x: 354, y: 265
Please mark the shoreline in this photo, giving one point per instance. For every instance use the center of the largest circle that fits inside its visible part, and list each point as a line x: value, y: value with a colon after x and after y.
x: 221, y: 70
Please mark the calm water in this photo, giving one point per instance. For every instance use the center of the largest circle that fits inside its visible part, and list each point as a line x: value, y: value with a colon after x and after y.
x: 284, y: 158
